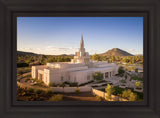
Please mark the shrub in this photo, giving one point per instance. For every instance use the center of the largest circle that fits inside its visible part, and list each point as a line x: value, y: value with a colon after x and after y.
x: 73, y: 84
x: 138, y: 84
x: 29, y: 75
x: 22, y: 64
x: 118, y: 90
x: 52, y: 84
x: 38, y: 91
x: 95, y: 86
x: 109, y: 90
x: 86, y: 83
x: 101, y: 81
x: 20, y: 71
x: 62, y: 85
x: 57, y: 97
x: 77, y: 90
x: 133, y: 97
x: 98, y: 76
x: 49, y: 92
x: 98, y: 98
x: 121, y: 71
x: 39, y: 83
x: 30, y: 90
x: 27, y: 69
x: 66, y: 82
x: 129, y: 95
x: 104, y: 84
x: 136, y: 78
x: 18, y: 75
x: 126, y: 93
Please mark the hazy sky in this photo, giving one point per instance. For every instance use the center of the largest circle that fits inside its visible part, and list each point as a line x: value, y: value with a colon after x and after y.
x: 62, y: 35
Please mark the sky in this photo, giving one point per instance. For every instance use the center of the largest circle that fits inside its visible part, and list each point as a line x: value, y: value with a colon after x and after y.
x: 62, y: 35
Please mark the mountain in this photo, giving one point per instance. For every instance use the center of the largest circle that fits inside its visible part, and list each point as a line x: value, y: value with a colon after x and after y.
x: 116, y: 52
x: 112, y: 52
x: 26, y: 53
x: 33, y: 54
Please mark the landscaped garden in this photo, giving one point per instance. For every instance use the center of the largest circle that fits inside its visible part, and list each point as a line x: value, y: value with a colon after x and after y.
x: 121, y: 93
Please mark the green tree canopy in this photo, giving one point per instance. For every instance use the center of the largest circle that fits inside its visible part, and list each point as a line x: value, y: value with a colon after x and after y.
x: 96, y: 57
x: 98, y: 76
x: 138, y: 84
x: 121, y: 71
x: 109, y: 90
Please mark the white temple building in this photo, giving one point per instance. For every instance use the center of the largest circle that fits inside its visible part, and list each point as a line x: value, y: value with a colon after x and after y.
x: 79, y: 70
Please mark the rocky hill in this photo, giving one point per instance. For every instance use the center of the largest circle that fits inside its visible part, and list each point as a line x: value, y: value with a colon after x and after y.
x: 116, y: 52
x: 26, y: 53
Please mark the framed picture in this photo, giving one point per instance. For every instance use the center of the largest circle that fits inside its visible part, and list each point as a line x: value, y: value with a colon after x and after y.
x: 79, y: 59
x: 53, y: 71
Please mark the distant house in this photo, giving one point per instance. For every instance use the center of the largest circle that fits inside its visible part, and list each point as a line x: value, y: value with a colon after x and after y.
x: 79, y: 70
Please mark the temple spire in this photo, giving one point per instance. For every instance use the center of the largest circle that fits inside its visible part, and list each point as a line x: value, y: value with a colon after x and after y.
x: 82, y: 42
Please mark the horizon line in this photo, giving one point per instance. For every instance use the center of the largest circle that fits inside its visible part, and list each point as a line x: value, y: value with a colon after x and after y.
x: 74, y: 54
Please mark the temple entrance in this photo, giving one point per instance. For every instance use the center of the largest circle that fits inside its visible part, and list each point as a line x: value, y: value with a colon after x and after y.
x: 106, y: 75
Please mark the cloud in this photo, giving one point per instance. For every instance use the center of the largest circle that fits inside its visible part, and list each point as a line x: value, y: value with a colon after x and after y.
x: 131, y: 49
x: 135, y: 51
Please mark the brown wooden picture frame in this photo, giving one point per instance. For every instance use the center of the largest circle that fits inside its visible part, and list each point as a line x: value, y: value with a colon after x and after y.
x: 10, y: 9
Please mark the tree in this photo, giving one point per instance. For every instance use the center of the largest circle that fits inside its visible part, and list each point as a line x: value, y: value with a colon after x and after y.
x: 52, y: 84
x: 98, y: 76
x: 109, y: 90
x: 136, y: 70
x: 138, y: 84
x: 77, y: 90
x: 121, y: 71
x: 126, y: 93
x: 129, y: 95
x: 51, y: 59
x: 96, y: 57
x: 133, y: 97
x: 42, y: 57
x: 57, y: 97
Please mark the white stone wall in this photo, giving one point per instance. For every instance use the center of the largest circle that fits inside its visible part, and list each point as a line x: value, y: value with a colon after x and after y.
x: 98, y: 93
x: 104, y: 94
x: 58, y: 76
x: 68, y: 72
x: 46, y: 76
x: 34, y: 74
